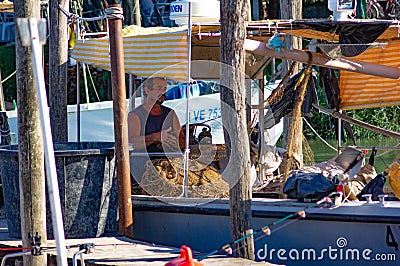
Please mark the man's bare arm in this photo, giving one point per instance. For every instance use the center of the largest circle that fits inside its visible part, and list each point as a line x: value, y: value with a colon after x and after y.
x: 140, y: 142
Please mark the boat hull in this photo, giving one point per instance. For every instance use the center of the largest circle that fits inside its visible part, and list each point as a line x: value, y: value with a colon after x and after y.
x: 353, y: 234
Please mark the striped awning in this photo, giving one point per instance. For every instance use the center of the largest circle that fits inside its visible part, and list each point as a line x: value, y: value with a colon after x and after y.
x: 365, y: 91
x: 156, y: 51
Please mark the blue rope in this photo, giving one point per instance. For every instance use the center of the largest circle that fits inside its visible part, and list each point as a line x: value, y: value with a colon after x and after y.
x: 276, y: 43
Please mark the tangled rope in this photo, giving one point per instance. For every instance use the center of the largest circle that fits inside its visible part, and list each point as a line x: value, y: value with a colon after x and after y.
x: 109, y: 13
x: 114, y: 13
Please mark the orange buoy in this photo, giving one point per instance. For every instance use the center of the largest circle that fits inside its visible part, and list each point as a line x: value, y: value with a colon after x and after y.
x: 186, y: 258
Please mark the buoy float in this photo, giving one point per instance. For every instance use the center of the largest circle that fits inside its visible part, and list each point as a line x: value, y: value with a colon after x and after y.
x: 186, y: 258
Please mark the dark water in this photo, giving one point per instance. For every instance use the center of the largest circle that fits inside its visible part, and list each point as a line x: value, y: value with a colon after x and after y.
x: 383, y: 157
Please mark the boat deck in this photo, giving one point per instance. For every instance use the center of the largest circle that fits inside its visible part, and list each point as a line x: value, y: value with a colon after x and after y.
x: 117, y: 251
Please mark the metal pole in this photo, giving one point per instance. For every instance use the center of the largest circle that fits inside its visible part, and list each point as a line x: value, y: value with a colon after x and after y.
x: 136, y: 11
x: 2, y: 105
x: 13, y: 255
x: 114, y: 15
x: 339, y: 136
x: 78, y: 104
x: 261, y: 173
x: 187, y: 148
x: 50, y: 164
x: 85, y: 82
x: 75, y: 257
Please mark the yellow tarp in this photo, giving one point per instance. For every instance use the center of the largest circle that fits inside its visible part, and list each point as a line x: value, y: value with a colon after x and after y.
x: 365, y: 91
x: 147, y: 52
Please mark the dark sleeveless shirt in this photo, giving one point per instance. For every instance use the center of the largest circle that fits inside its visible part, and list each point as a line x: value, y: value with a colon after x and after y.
x: 154, y: 123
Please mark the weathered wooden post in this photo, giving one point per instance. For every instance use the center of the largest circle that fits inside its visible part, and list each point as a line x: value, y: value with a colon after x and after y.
x: 58, y: 56
x: 114, y: 14
x: 233, y: 25
x: 292, y: 9
x: 30, y: 142
x: 30, y: 36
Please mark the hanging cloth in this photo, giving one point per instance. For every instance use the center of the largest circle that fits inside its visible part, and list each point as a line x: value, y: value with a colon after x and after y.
x: 354, y: 37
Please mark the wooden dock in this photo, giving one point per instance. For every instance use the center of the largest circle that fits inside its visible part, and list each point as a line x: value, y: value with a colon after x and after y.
x: 119, y: 251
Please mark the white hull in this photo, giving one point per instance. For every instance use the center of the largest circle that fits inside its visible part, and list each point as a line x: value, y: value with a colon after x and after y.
x: 97, y: 120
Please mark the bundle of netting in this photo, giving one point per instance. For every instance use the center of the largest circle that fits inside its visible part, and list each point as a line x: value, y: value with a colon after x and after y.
x: 165, y: 177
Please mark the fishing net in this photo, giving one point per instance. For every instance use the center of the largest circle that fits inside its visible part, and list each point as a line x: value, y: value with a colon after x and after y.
x: 282, y: 99
x: 294, y: 144
x: 308, y: 154
x: 164, y: 177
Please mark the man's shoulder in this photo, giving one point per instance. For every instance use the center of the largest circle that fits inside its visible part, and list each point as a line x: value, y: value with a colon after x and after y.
x: 139, y: 111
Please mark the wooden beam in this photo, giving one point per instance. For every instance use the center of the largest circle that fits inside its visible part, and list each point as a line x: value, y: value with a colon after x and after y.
x: 356, y: 122
x: 260, y: 48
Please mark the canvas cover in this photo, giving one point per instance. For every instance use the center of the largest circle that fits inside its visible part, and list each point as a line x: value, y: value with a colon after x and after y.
x: 365, y: 91
x: 158, y: 51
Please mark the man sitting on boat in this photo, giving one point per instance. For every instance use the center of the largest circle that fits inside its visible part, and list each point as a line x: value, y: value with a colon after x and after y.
x: 152, y: 127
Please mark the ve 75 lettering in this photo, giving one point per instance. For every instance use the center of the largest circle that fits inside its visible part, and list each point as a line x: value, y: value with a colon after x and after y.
x: 202, y: 115
x: 214, y: 112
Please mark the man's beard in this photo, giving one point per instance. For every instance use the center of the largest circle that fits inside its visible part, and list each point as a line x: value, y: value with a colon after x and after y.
x: 161, y: 99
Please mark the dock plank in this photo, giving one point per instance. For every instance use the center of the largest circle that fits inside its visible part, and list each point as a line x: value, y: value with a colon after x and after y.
x: 115, y: 251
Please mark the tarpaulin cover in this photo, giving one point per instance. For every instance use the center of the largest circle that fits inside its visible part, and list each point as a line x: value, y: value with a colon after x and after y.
x: 365, y: 91
x: 147, y: 51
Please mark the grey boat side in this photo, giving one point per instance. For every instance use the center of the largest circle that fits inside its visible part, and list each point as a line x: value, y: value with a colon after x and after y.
x: 353, y: 233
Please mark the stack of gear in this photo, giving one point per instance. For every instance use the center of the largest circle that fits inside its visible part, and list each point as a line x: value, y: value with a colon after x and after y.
x: 164, y: 177
x: 318, y: 181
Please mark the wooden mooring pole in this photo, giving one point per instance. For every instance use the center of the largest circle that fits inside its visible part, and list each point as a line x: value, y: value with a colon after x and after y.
x: 233, y: 31
x: 31, y: 154
x: 114, y: 14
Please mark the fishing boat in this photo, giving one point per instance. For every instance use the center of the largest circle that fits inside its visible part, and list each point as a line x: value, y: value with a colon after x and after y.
x: 95, y: 122
x: 286, y: 231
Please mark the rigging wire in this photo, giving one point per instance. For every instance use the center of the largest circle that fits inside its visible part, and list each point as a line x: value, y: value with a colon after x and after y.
x: 315, y: 132
x: 7, y: 78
